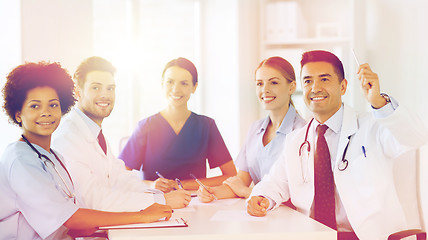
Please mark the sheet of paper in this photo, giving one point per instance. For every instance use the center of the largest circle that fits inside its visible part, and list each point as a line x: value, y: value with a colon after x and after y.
x: 176, y: 222
x: 234, y: 216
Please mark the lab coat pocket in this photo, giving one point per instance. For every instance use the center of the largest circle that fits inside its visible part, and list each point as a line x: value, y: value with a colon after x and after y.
x: 365, y: 172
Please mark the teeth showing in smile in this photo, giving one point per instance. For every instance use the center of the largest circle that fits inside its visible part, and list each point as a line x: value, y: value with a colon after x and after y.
x: 102, y: 104
x: 268, y: 98
x: 45, y: 123
x: 175, y: 97
x: 317, y: 98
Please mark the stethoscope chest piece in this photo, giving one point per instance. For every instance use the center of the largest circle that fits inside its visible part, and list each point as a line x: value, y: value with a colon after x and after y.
x: 343, y: 165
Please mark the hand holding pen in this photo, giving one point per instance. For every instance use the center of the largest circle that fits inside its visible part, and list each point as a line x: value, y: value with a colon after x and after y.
x: 369, y: 82
x: 204, y: 187
x: 164, y: 184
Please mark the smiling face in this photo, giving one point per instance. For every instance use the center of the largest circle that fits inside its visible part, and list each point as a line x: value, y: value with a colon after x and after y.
x: 178, y: 86
x: 96, y: 98
x: 322, y: 89
x: 40, y: 113
x: 273, y: 89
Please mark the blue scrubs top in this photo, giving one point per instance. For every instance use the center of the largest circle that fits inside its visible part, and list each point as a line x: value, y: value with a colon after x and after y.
x: 154, y: 146
x: 32, y: 205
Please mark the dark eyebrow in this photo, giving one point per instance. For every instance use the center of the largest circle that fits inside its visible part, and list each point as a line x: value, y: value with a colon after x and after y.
x: 38, y: 101
x: 325, y: 75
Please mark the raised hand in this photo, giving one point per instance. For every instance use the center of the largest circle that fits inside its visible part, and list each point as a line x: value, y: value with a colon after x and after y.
x: 370, y: 85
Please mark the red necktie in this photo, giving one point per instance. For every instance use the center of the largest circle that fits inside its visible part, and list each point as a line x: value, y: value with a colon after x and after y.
x: 324, y: 203
x: 102, y: 141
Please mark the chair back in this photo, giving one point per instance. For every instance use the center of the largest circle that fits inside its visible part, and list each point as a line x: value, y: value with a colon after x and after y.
x: 406, y: 180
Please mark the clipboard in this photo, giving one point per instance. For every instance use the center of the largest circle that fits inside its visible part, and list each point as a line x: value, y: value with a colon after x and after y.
x: 176, y: 222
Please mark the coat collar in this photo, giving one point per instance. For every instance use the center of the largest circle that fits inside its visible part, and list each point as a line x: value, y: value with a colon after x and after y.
x: 286, y: 124
x: 84, y: 129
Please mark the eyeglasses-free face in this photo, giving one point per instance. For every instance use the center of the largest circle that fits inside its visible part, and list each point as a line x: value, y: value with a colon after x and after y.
x: 40, y: 113
x: 322, y: 89
x: 97, y: 97
x: 273, y: 89
x: 178, y: 86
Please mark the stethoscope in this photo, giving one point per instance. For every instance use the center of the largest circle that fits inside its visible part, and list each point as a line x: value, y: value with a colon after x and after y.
x: 306, y: 147
x: 47, y: 160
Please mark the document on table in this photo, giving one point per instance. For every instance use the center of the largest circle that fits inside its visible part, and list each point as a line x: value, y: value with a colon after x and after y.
x: 176, y: 222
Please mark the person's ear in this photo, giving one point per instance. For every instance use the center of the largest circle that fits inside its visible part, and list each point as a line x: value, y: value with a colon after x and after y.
x: 343, y: 86
x: 77, y: 92
x: 292, y: 87
x: 194, y: 87
x: 18, y: 117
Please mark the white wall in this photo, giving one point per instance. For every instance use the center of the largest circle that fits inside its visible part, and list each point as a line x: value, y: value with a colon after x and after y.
x: 10, y: 56
x: 397, y: 33
x: 56, y: 31
x: 219, y: 67
x: 248, y: 56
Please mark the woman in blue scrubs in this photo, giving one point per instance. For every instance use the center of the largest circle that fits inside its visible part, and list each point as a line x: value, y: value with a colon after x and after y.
x: 275, y: 83
x: 37, y: 199
x: 176, y: 141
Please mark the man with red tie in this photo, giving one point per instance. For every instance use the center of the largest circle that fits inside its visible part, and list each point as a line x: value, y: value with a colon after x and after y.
x: 101, y: 179
x: 338, y: 168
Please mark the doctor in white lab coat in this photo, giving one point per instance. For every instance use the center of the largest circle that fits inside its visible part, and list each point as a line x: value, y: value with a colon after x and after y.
x: 101, y: 179
x: 366, y: 201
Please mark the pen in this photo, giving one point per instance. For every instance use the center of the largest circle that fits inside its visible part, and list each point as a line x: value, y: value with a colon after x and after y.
x: 364, y: 151
x: 202, y: 185
x: 355, y: 56
x: 159, y: 175
x: 179, y: 183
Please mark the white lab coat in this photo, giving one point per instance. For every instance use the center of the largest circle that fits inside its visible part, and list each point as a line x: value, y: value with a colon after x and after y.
x: 102, y: 180
x: 366, y: 186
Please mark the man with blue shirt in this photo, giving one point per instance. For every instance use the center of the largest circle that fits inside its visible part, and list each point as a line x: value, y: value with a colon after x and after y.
x: 101, y: 179
x: 338, y: 168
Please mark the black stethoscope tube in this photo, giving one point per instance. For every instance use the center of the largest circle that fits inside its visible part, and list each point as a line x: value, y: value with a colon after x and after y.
x: 344, y: 162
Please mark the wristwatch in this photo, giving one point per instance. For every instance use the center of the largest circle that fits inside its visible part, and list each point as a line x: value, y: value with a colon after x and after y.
x: 387, y: 98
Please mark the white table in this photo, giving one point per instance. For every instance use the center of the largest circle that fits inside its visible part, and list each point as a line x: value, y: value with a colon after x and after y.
x: 206, y: 222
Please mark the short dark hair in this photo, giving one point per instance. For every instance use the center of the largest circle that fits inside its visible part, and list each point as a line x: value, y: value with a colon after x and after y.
x: 185, y: 64
x: 92, y: 64
x: 32, y: 75
x: 324, y: 56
